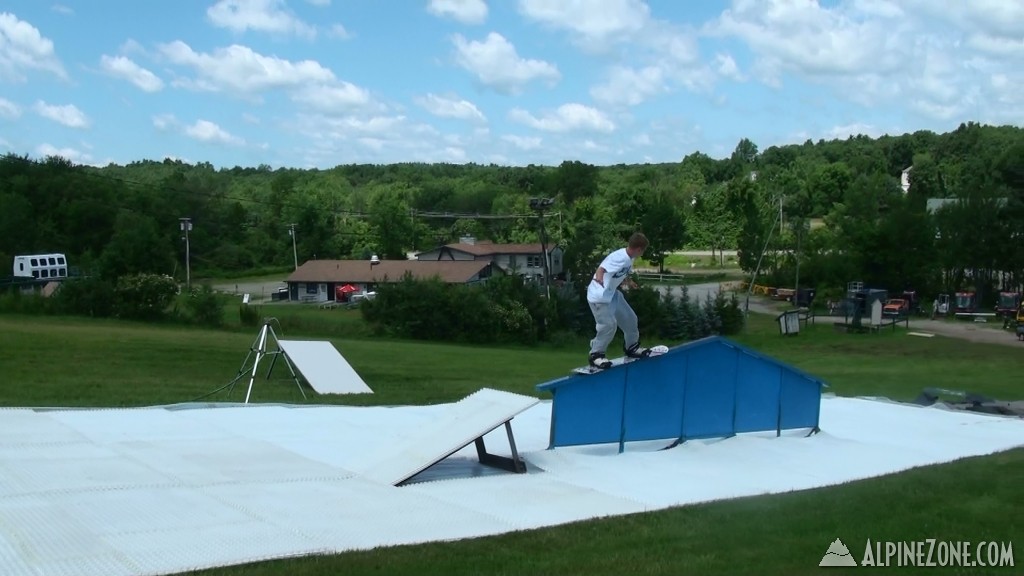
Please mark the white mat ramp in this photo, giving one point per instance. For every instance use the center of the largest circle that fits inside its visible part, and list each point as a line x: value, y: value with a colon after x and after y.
x: 468, y: 419
x: 152, y: 491
x: 324, y: 367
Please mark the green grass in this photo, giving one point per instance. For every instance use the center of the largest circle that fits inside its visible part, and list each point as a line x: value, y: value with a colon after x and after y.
x: 47, y: 361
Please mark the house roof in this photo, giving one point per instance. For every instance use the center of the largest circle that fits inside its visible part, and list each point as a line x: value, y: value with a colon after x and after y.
x: 934, y: 204
x: 451, y: 271
x: 491, y: 249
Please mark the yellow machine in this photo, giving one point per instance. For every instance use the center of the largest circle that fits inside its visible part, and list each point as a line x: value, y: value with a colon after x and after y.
x: 1020, y: 322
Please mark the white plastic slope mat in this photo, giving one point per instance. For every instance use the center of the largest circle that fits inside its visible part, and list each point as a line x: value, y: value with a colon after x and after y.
x: 324, y: 367
x: 166, y: 490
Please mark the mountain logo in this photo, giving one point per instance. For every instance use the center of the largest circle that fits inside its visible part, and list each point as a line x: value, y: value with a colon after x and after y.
x: 837, y: 555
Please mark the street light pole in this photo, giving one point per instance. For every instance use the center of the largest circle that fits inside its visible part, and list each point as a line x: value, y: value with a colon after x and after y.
x: 295, y: 252
x: 186, y: 226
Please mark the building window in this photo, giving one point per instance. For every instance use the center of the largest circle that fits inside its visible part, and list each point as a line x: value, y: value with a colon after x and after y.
x: 534, y: 261
x: 311, y: 288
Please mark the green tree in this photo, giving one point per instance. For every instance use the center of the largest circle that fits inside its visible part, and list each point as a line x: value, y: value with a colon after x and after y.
x: 136, y: 247
x: 664, y: 226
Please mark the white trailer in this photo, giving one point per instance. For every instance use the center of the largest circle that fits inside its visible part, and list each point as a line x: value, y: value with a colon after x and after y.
x: 41, y: 266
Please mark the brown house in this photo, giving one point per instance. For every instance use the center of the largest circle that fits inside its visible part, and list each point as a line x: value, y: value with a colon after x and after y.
x: 523, y: 259
x: 320, y: 280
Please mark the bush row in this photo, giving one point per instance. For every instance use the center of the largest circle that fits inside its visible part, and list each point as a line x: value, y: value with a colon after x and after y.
x: 148, y: 297
x: 507, y: 309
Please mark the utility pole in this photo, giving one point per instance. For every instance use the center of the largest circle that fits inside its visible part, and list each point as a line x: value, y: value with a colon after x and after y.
x: 539, y: 205
x: 295, y: 252
x: 186, y: 226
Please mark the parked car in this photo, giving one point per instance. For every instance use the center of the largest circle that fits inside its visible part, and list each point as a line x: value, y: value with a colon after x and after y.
x: 896, y: 307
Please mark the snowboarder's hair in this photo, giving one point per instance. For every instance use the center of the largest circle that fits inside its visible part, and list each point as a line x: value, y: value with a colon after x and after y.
x: 638, y: 240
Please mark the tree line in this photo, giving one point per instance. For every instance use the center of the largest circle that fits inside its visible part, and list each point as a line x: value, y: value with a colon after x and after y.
x: 836, y: 210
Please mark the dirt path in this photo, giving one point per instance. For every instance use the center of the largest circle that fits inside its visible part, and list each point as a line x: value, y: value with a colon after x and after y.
x: 986, y: 332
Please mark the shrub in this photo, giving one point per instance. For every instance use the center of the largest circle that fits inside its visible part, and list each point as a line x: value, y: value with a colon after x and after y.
x: 249, y: 315
x: 144, y: 296
x: 86, y: 296
x: 204, y: 306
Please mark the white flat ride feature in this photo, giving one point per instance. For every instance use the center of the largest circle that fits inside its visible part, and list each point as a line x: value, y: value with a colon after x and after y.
x: 324, y: 367
x: 465, y: 421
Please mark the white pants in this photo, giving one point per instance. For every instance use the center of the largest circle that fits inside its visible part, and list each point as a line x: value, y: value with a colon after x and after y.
x: 611, y: 316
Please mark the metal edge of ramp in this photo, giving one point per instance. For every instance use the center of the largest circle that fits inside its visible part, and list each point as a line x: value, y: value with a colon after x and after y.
x: 324, y: 367
x: 468, y: 419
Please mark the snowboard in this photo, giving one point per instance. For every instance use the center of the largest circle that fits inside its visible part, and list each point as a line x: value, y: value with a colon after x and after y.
x: 621, y: 361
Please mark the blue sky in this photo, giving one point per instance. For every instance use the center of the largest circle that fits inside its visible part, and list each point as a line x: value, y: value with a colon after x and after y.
x: 317, y: 83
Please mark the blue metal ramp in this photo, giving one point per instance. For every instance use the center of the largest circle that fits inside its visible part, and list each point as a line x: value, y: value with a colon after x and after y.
x: 708, y: 388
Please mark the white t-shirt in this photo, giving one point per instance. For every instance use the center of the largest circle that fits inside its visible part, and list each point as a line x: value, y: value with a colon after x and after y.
x: 617, y: 267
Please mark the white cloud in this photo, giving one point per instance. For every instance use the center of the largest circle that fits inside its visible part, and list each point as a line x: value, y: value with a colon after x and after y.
x: 630, y: 86
x: 451, y: 107
x: 9, y: 110
x: 241, y: 70
x: 257, y: 15
x: 566, y: 118
x: 72, y: 154
x: 726, y: 66
x: 164, y: 121
x: 62, y: 9
x: 981, y: 18
x: 935, y: 58
x: 593, y: 22
x: 809, y: 39
x: 995, y: 46
x: 496, y: 64
x: 68, y: 114
x: 206, y: 131
x: 339, y: 97
x: 339, y: 31
x: 126, y: 69
x: 465, y: 11
x: 523, y: 142
x: 642, y: 139
x: 22, y: 48
x: 662, y: 56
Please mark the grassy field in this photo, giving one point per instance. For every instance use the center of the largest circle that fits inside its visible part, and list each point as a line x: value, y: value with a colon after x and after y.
x: 74, y: 362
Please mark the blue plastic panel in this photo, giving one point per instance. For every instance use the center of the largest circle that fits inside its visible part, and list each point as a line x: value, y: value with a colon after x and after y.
x: 801, y: 402
x: 588, y: 409
x: 703, y: 389
x: 757, y: 394
x: 654, y: 388
x: 710, y: 393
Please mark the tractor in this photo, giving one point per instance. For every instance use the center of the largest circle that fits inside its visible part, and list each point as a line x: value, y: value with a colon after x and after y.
x: 1020, y: 322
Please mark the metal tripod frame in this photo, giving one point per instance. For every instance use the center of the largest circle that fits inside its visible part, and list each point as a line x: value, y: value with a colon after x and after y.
x: 259, y: 348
